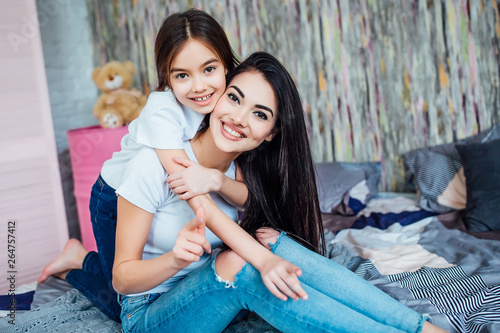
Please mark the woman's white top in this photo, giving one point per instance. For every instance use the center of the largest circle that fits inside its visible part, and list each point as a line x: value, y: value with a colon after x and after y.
x: 163, y: 124
x: 143, y: 184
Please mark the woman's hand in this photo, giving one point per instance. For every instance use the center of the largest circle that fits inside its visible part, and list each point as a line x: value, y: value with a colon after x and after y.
x: 191, y: 241
x: 194, y: 179
x: 281, y: 277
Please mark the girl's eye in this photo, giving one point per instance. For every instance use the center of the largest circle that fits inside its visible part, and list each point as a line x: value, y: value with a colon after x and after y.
x: 233, y: 97
x: 210, y: 69
x: 261, y: 115
x: 181, y: 76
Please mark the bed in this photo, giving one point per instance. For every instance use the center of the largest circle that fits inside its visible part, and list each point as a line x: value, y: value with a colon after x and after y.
x: 435, y: 249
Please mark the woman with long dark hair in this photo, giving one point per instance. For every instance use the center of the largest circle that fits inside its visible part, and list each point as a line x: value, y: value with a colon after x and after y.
x: 258, y: 121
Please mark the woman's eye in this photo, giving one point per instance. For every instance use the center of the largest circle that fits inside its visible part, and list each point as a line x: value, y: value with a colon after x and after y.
x: 181, y: 76
x: 209, y: 69
x: 261, y: 114
x: 233, y: 97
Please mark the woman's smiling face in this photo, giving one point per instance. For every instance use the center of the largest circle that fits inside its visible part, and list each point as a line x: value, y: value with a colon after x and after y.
x: 245, y: 115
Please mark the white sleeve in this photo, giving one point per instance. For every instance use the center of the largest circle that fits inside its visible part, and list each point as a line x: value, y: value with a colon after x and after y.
x: 162, y: 122
x: 143, y: 181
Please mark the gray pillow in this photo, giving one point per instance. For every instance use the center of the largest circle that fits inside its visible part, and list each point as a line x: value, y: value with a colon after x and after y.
x: 335, y: 179
x: 430, y: 170
x: 372, y: 172
x: 482, y: 178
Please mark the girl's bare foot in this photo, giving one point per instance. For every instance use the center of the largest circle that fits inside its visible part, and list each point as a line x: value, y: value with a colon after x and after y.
x: 71, y: 258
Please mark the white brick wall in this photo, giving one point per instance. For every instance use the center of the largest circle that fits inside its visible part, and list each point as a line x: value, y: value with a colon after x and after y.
x: 67, y: 50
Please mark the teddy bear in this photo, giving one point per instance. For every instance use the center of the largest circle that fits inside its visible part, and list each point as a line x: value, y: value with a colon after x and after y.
x: 118, y: 104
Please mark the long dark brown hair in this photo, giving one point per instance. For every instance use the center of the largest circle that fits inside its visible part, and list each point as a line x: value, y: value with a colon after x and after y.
x: 280, y: 174
x: 177, y: 29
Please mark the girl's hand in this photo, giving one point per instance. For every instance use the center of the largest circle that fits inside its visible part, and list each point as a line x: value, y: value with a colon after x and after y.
x: 281, y: 278
x: 191, y: 241
x: 285, y: 270
x: 194, y: 179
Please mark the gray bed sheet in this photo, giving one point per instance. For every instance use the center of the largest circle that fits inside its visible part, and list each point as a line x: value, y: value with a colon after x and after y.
x: 58, y: 307
x: 463, y: 298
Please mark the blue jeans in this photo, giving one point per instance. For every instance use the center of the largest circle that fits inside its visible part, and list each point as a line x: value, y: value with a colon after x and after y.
x: 339, y: 301
x: 94, y: 280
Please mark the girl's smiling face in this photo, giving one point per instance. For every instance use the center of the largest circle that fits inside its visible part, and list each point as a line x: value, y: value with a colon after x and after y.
x: 197, y: 77
x: 245, y: 115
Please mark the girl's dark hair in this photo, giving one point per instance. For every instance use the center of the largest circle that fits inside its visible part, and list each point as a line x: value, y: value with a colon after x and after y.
x: 280, y: 174
x: 177, y: 29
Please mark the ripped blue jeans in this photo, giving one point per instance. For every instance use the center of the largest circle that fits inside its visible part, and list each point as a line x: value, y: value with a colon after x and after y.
x: 339, y: 301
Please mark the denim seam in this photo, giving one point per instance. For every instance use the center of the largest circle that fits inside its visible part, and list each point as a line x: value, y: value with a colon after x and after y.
x: 280, y: 309
x: 101, y: 181
x: 86, y: 261
x: 95, y: 218
x: 88, y: 291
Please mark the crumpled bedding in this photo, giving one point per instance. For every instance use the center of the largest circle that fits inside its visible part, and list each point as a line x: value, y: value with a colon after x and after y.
x: 393, y: 250
x: 448, y: 273
x: 59, y: 307
x: 424, y: 263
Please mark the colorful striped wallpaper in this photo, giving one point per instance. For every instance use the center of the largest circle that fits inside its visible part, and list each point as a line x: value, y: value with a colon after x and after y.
x: 378, y: 78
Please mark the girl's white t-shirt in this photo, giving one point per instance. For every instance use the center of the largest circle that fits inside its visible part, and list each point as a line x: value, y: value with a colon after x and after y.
x: 163, y: 124
x: 143, y: 184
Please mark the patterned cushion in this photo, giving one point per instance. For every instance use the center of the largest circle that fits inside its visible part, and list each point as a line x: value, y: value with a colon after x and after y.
x: 431, y: 170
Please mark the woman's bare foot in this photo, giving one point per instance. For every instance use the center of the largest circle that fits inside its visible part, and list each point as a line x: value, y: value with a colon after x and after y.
x: 71, y: 258
x: 430, y: 328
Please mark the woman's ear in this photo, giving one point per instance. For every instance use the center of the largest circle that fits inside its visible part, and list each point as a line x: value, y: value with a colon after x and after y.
x: 271, y: 135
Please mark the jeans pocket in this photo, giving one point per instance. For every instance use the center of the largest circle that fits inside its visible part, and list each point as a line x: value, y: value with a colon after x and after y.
x: 133, y: 307
x: 136, y: 299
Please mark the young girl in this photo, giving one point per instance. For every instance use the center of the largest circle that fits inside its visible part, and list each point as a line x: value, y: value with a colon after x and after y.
x: 193, y: 56
x: 153, y: 269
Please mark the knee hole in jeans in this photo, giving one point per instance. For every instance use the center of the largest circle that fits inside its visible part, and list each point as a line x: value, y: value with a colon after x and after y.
x: 228, y: 264
x: 267, y: 235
